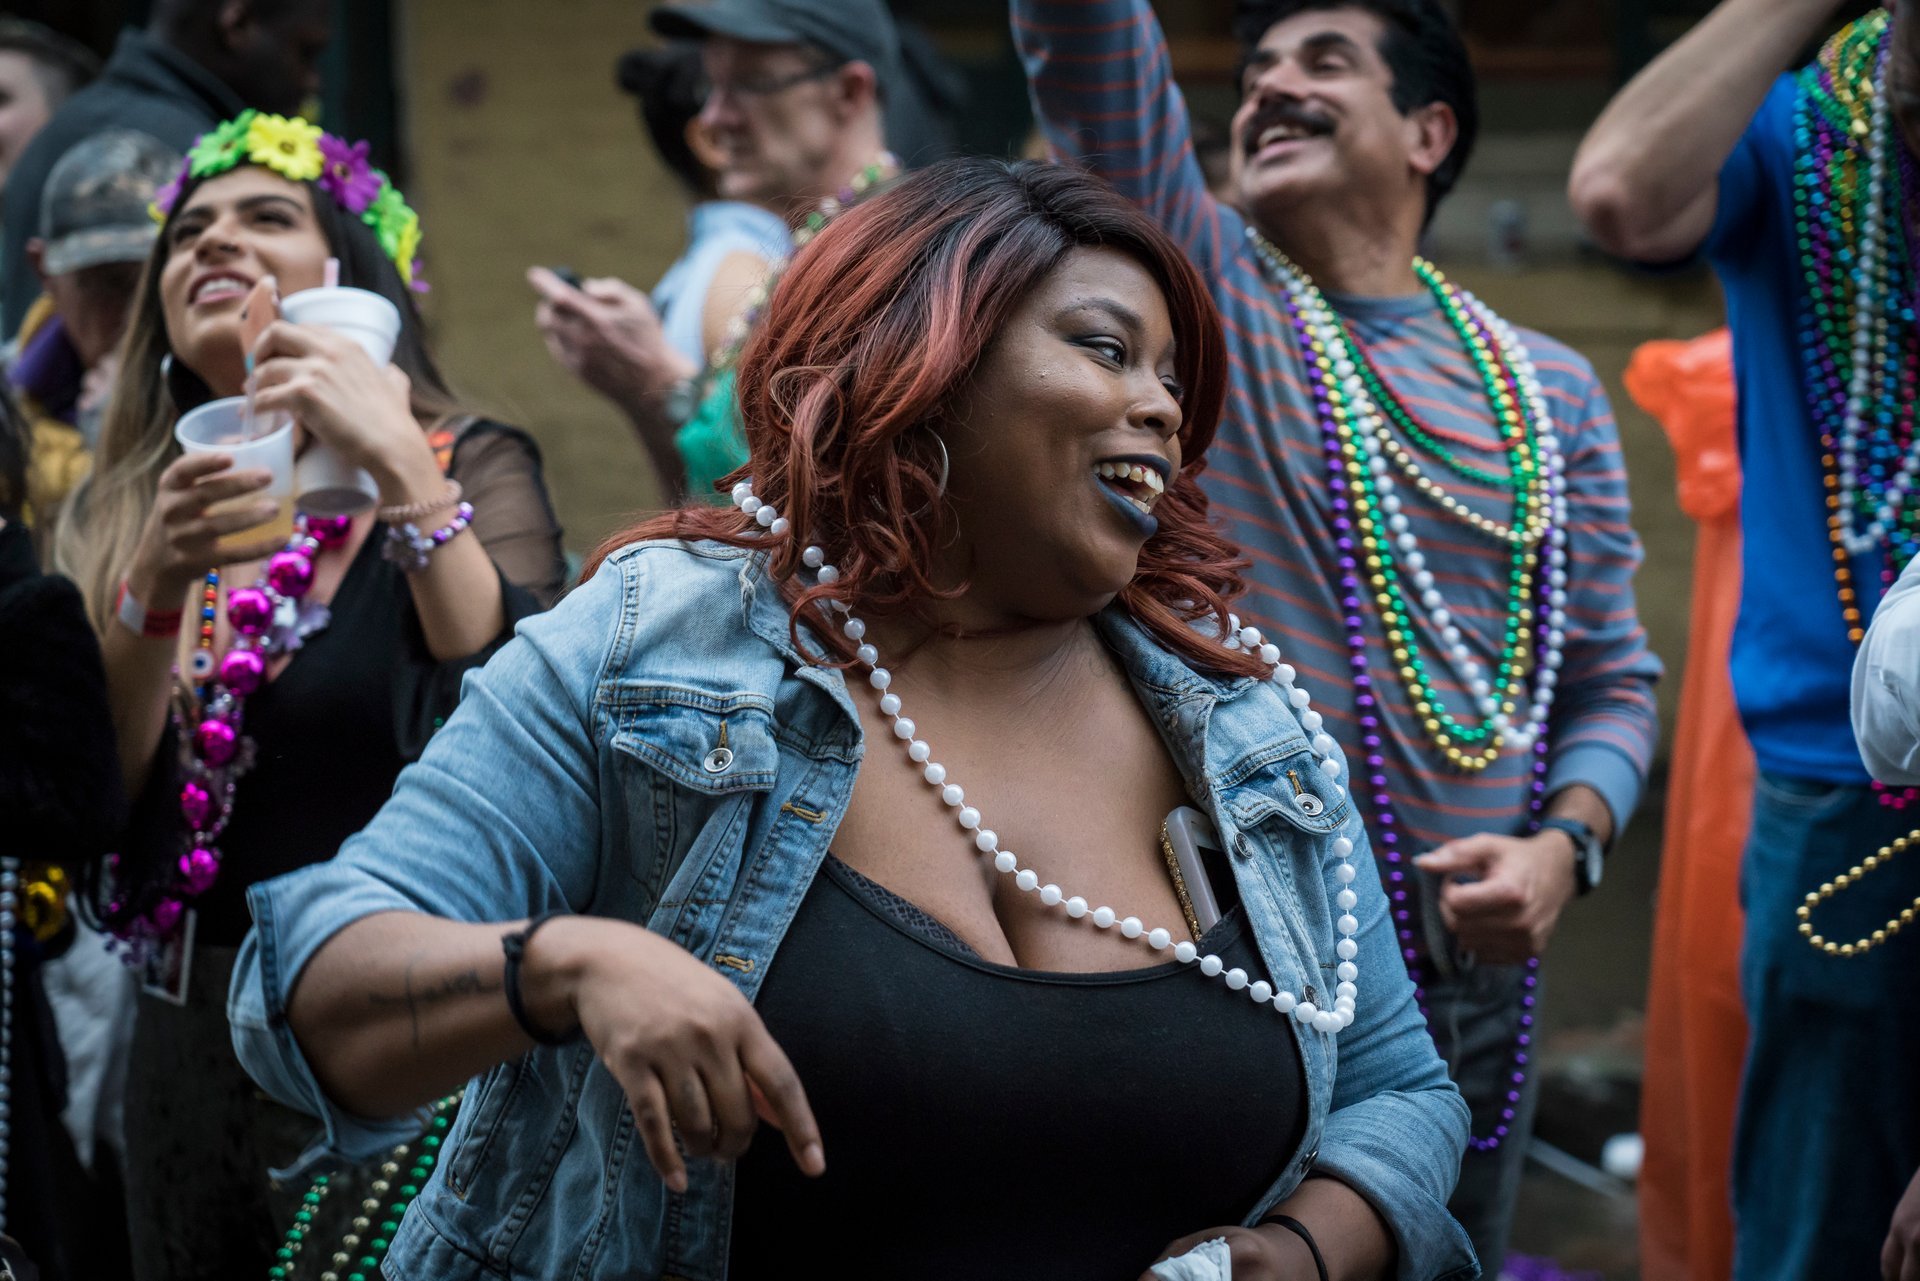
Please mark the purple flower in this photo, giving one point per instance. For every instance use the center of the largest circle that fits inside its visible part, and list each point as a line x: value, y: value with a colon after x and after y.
x: 348, y: 177
x: 165, y: 198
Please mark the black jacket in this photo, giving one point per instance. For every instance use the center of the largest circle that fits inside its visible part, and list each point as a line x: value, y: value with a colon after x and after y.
x: 60, y: 801
x: 145, y: 86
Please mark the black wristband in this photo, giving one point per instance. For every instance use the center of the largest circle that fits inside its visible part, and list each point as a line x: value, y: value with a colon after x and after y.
x: 1299, y: 1229
x: 515, y: 946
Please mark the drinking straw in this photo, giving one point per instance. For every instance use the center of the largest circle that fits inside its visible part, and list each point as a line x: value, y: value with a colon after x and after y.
x: 332, y: 279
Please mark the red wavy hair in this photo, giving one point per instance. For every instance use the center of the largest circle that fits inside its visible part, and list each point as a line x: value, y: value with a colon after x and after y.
x: 875, y: 329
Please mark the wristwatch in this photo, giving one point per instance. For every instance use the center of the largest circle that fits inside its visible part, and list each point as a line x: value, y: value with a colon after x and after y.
x: 1589, y: 856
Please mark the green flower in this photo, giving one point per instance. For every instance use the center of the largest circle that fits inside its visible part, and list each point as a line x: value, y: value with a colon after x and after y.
x: 392, y: 221
x: 221, y: 147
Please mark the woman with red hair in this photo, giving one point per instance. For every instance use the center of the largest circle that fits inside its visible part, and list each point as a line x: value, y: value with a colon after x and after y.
x: 683, y: 847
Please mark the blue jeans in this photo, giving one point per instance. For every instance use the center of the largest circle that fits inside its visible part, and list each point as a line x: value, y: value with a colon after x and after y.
x: 1475, y: 1014
x: 1828, y: 1130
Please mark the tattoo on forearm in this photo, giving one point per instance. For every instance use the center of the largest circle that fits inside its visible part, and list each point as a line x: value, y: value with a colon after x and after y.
x: 468, y: 983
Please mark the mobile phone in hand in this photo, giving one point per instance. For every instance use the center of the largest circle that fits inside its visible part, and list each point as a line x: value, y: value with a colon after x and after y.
x: 567, y: 274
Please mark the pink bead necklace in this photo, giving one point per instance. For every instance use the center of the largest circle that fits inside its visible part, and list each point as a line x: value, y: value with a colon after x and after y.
x: 269, y: 618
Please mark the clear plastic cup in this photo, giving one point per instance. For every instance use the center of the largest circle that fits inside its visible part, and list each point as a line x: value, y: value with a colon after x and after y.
x: 220, y: 427
x: 325, y: 484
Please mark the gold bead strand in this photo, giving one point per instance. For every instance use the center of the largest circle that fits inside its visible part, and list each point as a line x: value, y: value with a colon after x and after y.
x: 1866, y: 943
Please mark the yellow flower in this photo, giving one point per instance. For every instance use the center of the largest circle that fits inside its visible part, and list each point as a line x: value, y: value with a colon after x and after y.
x: 291, y: 148
x: 408, y: 247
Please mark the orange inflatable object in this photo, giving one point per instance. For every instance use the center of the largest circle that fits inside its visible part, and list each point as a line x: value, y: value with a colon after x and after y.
x: 1696, y: 1027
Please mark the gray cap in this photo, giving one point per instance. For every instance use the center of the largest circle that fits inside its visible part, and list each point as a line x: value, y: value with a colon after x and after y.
x: 93, y: 209
x: 853, y: 30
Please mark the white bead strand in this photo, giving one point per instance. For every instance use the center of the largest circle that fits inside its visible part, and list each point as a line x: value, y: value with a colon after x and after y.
x: 9, y: 913
x: 1331, y: 1020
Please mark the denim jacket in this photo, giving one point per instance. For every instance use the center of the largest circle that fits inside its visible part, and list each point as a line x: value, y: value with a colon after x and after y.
x: 585, y: 771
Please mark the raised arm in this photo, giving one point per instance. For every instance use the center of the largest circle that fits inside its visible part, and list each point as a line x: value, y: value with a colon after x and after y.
x: 1104, y: 96
x: 1644, y: 180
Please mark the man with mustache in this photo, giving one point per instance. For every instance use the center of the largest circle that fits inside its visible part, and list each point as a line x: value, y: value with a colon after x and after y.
x: 1433, y: 503
x: 1797, y: 189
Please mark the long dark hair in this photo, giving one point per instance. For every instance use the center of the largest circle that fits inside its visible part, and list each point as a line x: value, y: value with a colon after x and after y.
x: 875, y: 330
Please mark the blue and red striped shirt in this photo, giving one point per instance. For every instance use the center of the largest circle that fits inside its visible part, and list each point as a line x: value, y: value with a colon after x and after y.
x: 1104, y: 95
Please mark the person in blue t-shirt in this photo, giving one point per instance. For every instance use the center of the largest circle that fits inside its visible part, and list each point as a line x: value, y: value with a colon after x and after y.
x: 1793, y: 187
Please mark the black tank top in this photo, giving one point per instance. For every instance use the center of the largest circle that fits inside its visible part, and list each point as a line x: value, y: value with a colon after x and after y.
x: 986, y: 1121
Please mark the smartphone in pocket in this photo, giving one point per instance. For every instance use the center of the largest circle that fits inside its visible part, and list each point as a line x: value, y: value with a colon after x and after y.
x: 1202, y: 861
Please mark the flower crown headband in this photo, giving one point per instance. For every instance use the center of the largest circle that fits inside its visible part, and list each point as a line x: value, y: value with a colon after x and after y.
x: 300, y: 152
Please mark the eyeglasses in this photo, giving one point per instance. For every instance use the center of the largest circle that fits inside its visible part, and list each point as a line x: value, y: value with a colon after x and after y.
x: 753, y: 88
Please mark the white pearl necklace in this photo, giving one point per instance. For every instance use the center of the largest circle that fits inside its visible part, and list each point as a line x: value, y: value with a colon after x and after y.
x: 1870, y: 354
x: 987, y: 842
x: 1468, y: 670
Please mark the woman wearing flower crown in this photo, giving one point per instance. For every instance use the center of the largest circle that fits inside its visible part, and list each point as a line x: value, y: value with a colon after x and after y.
x: 310, y: 669
x: 852, y: 808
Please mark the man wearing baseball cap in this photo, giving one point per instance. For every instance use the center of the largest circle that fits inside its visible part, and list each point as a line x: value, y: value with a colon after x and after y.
x: 794, y: 91
x: 793, y: 110
x: 93, y: 235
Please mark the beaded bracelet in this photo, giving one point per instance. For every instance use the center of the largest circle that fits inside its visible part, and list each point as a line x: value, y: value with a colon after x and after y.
x: 408, y: 548
x: 421, y: 510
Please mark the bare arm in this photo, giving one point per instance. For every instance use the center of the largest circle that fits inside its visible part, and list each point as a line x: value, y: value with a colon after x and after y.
x: 1644, y: 180
x: 733, y: 280
x: 1352, y: 1238
x: 399, y: 1008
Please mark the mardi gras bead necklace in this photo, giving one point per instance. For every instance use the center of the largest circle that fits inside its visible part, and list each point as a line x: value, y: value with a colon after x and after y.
x: 1852, y: 183
x: 1859, y: 350
x: 269, y: 618
x: 1363, y: 453
x: 9, y: 902
x: 357, y: 1256
x: 1332, y: 1020
x: 1355, y: 406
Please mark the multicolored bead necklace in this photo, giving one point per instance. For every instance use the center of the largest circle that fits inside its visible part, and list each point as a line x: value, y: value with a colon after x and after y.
x: 1355, y: 408
x: 359, y: 1253
x: 1858, y: 341
x: 1860, y: 347
x: 268, y: 619
x: 1357, y: 412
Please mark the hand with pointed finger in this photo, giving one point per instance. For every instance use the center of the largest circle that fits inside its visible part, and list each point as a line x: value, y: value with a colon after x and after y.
x: 688, y: 1050
x: 178, y: 544
x: 1503, y: 895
